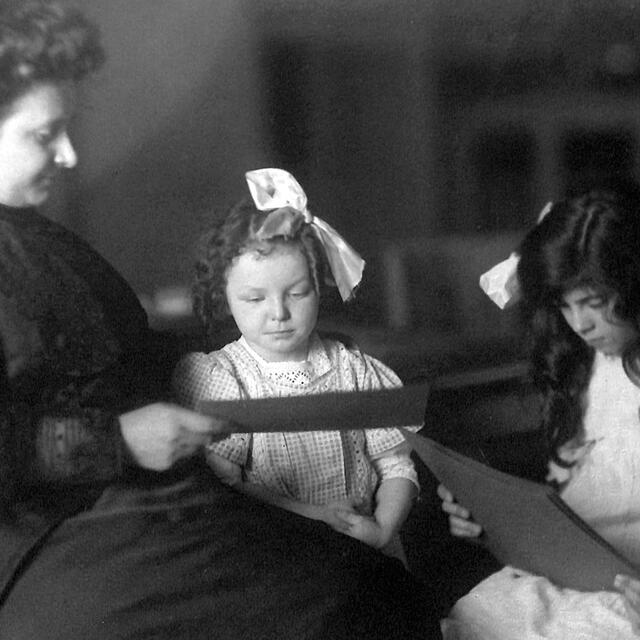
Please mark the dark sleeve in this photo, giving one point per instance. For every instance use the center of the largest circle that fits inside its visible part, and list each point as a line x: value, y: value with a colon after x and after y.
x: 68, y: 433
x: 41, y: 445
x: 86, y: 445
x: 75, y: 353
x: 81, y: 448
x: 77, y: 439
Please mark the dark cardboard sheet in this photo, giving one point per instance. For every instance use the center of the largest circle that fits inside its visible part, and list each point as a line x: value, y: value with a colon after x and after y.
x: 404, y: 406
x: 526, y: 525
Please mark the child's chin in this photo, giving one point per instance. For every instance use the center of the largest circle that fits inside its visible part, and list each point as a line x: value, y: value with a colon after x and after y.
x: 609, y: 351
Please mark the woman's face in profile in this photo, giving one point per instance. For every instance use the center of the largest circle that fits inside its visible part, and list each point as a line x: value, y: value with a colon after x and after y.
x: 590, y: 314
x: 34, y: 144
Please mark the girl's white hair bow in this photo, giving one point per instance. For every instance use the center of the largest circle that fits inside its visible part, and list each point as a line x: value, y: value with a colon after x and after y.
x: 275, y: 189
x: 500, y: 283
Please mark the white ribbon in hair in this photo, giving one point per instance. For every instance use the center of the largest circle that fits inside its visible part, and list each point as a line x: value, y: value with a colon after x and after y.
x: 500, y: 283
x: 273, y: 189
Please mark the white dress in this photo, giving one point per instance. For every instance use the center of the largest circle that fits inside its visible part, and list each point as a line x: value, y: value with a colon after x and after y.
x: 603, y: 488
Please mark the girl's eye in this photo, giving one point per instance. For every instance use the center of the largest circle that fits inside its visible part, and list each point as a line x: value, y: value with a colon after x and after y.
x: 44, y: 136
x: 598, y: 302
x: 48, y: 134
x: 299, y: 294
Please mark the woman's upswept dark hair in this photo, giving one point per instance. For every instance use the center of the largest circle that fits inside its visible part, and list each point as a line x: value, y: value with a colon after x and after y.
x: 593, y: 241
x: 43, y: 41
x: 226, y: 240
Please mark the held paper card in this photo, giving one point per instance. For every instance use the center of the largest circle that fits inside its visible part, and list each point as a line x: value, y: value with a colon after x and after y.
x: 404, y: 406
x: 526, y: 525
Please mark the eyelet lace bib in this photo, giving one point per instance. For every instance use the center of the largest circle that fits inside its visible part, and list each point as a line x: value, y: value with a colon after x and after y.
x: 292, y: 374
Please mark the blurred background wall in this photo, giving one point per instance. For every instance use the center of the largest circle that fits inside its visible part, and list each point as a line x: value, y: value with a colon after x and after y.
x: 429, y: 132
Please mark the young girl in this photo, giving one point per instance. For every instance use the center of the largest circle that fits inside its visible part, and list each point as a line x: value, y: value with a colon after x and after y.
x: 266, y: 264
x: 579, y: 278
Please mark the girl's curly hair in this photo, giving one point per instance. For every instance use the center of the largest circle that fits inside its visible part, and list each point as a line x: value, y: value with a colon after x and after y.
x: 44, y: 41
x: 230, y: 237
x: 588, y: 241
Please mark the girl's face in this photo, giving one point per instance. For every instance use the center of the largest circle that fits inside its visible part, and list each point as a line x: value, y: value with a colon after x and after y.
x: 590, y: 315
x: 273, y: 302
x: 34, y: 145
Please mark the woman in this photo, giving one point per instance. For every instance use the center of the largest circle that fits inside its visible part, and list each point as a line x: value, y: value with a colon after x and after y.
x: 94, y: 542
x: 579, y: 277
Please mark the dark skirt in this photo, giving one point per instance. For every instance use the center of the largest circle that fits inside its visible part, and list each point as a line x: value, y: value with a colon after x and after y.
x: 196, y: 560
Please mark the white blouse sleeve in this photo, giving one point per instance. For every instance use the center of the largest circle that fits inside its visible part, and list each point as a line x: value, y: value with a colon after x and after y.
x: 396, y: 464
x: 200, y: 376
x: 374, y: 375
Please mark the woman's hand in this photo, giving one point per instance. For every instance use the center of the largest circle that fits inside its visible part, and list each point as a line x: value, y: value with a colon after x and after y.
x: 460, y: 523
x: 630, y: 588
x: 160, y: 434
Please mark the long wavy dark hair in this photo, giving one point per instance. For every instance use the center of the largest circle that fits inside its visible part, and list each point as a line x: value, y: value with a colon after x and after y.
x: 593, y: 241
x: 232, y: 235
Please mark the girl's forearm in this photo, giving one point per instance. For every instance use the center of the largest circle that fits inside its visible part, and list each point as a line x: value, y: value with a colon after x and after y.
x: 394, y: 500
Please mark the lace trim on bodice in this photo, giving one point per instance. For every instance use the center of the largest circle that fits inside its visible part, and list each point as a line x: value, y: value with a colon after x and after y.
x: 292, y: 374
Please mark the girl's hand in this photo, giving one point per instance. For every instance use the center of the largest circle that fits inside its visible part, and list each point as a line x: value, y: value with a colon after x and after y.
x: 630, y: 588
x: 337, y: 514
x: 343, y: 517
x: 460, y: 523
x: 228, y: 472
x: 367, y: 530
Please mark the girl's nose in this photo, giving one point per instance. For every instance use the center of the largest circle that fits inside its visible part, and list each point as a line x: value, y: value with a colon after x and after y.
x: 581, y: 321
x: 65, y: 154
x: 279, y: 310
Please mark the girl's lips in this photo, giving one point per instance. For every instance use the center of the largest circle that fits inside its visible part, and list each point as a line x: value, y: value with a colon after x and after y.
x: 47, y: 179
